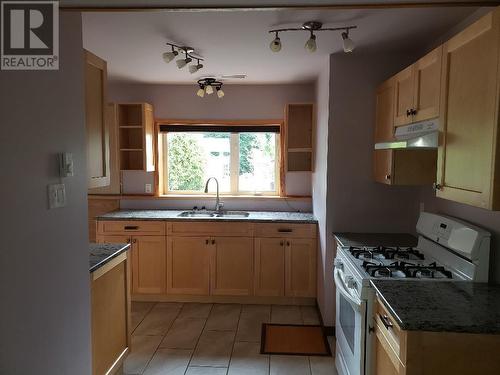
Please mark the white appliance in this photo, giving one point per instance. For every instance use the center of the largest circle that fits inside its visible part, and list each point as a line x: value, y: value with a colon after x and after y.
x: 447, y: 249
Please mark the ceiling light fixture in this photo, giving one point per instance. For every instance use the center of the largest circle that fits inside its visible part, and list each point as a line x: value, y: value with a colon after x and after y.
x: 207, y: 85
x: 189, y: 55
x: 312, y: 27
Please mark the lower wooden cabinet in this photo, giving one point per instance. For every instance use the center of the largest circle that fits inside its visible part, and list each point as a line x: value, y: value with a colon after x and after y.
x: 285, y: 267
x: 188, y: 262
x: 231, y: 268
x: 300, y: 267
x: 269, y: 277
x: 148, y: 255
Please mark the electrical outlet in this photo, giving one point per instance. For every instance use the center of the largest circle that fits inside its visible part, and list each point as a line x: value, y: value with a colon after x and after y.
x: 148, y: 188
x: 57, y: 195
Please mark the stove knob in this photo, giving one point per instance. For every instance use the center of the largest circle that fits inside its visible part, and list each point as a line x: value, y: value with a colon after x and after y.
x: 338, y: 264
x: 351, y: 283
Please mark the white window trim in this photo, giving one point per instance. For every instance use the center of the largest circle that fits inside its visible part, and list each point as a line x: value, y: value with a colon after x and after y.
x: 234, y: 171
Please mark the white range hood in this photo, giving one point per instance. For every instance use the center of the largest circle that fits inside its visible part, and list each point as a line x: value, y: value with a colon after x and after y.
x: 420, y: 135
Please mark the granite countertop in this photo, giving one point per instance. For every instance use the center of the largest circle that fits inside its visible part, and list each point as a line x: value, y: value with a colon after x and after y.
x: 102, y: 253
x: 442, y: 306
x: 375, y: 239
x: 172, y: 215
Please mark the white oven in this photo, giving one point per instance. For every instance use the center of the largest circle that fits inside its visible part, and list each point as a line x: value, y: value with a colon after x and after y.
x: 353, y: 308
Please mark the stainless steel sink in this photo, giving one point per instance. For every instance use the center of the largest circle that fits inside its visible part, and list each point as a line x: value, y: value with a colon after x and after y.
x: 233, y: 214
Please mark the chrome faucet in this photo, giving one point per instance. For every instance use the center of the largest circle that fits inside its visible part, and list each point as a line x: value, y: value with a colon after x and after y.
x: 218, y: 203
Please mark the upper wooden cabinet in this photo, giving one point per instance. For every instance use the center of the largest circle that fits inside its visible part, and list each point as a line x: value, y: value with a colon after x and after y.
x: 98, y: 169
x: 417, y: 90
x: 136, y: 129
x: 299, y: 120
x: 384, y: 113
x: 469, y: 155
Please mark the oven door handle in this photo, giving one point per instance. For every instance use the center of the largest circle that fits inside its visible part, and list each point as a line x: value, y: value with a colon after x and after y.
x: 355, y: 302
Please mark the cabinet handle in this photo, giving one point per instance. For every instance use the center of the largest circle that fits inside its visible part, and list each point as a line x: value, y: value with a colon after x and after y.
x: 413, y: 111
x: 131, y: 227
x: 206, y: 242
x: 436, y: 186
x: 285, y: 230
x: 387, y: 176
x: 128, y: 240
x: 134, y: 240
x: 287, y: 243
x: 385, y: 321
x: 281, y: 243
x: 213, y: 242
x: 408, y: 112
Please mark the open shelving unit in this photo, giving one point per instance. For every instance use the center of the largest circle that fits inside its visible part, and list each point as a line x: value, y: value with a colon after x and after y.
x: 136, y: 129
x: 299, y: 120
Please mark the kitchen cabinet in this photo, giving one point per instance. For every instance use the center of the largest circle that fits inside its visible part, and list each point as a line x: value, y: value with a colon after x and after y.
x: 417, y: 90
x: 384, y: 114
x: 405, y: 167
x: 269, y: 277
x: 469, y: 154
x: 110, y: 314
x: 98, y: 168
x: 299, y: 123
x: 96, y: 207
x: 400, y: 352
x: 188, y: 261
x: 136, y: 129
x: 300, y: 267
x: 231, y: 269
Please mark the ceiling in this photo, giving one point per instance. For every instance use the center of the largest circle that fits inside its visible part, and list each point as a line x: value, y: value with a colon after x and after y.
x: 234, y: 42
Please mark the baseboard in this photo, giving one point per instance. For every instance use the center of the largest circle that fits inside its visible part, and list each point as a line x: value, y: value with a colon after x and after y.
x: 329, y: 330
x: 300, y: 301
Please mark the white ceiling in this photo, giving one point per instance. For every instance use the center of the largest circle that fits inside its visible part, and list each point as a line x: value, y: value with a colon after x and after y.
x: 238, y: 41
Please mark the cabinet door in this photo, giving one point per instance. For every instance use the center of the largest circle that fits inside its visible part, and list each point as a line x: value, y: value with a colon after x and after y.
x: 188, y: 265
x: 95, y: 117
x: 148, y: 265
x: 383, y: 363
x: 427, y: 93
x: 384, y: 118
x: 382, y: 166
x: 404, y: 82
x: 231, y: 270
x: 269, y: 279
x: 300, y: 268
x: 470, y: 82
x: 113, y: 239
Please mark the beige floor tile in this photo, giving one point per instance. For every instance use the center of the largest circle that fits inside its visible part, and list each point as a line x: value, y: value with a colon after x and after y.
x: 195, y: 310
x: 183, y: 334
x: 169, y: 361
x: 310, y: 315
x: 249, y: 330
x: 289, y: 365
x: 139, y: 311
x: 143, y: 348
x: 247, y: 360
x: 223, y: 318
x: 286, y: 314
x: 322, y: 365
x: 206, y: 371
x: 157, y: 322
x: 213, y: 349
x: 262, y: 312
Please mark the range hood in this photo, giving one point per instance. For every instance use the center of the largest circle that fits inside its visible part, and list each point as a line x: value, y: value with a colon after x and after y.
x: 420, y: 135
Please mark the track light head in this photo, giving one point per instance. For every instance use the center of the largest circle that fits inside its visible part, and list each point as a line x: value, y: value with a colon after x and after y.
x: 194, y: 68
x: 182, y: 63
x: 220, y: 93
x: 201, y: 92
x: 310, y: 45
x: 275, y: 45
x: 347, y: 42
x: 169, y: 56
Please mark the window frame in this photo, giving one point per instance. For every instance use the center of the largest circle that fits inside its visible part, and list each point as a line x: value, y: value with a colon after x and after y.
x: 162, y: 156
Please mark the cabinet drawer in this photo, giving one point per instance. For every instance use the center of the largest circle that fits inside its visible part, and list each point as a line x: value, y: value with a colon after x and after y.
x: 285, y: 230
x: 389, y: 333
x: 209, y: 229
x: 144, y: 228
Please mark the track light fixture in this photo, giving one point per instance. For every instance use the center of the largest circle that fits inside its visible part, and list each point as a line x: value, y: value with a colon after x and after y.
x: 188, y: 57
x: 206, y: 86
x: 312, y: 27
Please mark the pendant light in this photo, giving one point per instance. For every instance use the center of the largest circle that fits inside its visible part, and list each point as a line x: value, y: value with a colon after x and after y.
x: 201, y: 92
x: 206, y: 87
x: 220, y: 93
x: 275, y: 45
x: 310, y: 45
x: 347, y: 42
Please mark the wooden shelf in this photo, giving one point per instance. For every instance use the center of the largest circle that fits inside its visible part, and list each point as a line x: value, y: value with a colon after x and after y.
x: 131, y: 149
x: 130, y: 126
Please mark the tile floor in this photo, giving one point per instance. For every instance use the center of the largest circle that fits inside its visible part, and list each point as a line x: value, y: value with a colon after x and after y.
x: 214, y: 339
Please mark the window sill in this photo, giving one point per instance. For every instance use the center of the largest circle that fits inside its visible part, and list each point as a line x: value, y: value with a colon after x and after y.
x: 201, y: 196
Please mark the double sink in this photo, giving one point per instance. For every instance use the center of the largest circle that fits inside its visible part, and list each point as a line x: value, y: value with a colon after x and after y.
x: 228, y: 214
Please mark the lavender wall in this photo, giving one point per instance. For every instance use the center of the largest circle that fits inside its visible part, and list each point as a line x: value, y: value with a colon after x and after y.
x: 319, y: 192
x: 240, y: 102
x: 44, y: 274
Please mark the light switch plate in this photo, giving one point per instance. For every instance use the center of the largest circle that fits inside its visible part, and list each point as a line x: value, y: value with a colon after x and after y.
x: 148, y: 188
x: 57, y: 195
